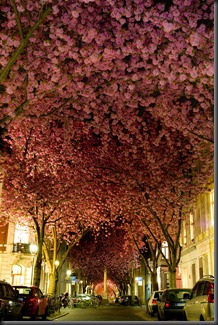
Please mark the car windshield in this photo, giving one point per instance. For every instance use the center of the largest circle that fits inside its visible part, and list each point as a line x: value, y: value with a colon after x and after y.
x: 178, y: 294
x: 157, y: 294
x: 24, y: 291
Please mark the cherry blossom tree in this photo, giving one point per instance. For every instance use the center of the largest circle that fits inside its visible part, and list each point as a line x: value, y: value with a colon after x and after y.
x: 42, y: 189
x: 110, y: 63
x: 122, y: 92
x: 94, y: 254
x: 148, y: 250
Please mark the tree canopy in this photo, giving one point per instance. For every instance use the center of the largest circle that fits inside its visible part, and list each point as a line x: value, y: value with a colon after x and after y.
x: 106, y: 110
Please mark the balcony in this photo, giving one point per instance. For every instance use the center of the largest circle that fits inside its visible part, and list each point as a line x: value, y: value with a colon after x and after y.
x: 21, y: 247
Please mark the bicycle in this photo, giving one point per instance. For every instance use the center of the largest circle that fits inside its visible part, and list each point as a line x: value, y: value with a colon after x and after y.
x: 54, y: 305
x: 78, y: 303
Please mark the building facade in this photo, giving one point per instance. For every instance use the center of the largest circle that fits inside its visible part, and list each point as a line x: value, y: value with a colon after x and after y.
x: 17, y: 260
x: 197, y: 240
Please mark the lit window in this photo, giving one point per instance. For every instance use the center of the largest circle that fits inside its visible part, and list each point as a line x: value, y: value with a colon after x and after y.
x: 21, y: 234
x: 212, y: 208
x: 191, y: 226
x: 184, y: 234
x: 16, y: 269
x: 165, y: 249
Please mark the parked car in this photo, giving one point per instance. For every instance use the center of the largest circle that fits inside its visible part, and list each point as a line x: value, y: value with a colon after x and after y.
x: 35, y: 304
x: 84, y: 300
x: 171, y: 304
x: 99, y: 298
x: 127, y: 300
x: 200, y: 306
x: 10, y: 306
x: 152, y: 302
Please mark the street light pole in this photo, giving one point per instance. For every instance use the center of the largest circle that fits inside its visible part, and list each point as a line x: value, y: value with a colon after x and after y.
x: 69, y: 284
x: 33, y: 251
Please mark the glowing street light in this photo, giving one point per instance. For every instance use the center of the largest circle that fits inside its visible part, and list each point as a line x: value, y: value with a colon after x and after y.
x: 56, y: 263
x: 33, y: 249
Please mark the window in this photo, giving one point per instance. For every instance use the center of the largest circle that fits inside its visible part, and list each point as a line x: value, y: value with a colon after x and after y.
x: 194, y: 291
x: 201, y: 267
x: 200, y: 288
x: 8, y: 291
x: 193, y: 274
x: 206, y: 263
x: 16, y: 269
x: 165, y: 249
x: 191, y: 226
x: 184, y: 234
x: 212, y: 208
x: 21, y: 234
x: 206, y: 288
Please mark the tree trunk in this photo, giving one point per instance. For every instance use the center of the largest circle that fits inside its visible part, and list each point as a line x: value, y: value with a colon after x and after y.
x: 52, y: 284
x: 172, y: 278
x: 38, y: 265
x: 37, y: 271
x: 154, y: 283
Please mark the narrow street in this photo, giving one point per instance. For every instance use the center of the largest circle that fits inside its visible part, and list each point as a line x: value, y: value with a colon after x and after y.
x: 105, y: 313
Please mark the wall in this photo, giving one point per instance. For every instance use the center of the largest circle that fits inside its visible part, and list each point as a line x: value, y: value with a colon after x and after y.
x: 197, y: 240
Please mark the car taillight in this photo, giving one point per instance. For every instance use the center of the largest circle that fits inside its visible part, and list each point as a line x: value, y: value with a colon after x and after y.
x: 167, y: 304
x: 154, y: 302
x: 210, y: 294
x: 31, y: 299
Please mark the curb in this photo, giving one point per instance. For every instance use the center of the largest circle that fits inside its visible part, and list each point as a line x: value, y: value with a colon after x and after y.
x: 52, y: 317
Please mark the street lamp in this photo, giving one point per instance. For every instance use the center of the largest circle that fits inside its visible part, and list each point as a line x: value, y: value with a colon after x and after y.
x: 56, y: 264
x: 33, y: 251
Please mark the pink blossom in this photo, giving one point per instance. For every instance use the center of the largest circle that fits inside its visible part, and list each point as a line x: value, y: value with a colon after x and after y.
x: 182, y: 77
x: 194, y: 39
x: 210, y: 70
x: 9, y: 90
x: 75, y: 13
x: 55, y: 10
x: 168, y: 27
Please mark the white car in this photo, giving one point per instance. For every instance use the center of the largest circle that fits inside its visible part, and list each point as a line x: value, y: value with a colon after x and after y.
x: 200, y: 306
x: 152, y: 302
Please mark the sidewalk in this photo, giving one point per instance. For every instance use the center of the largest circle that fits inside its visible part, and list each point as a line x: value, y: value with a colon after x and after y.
x: 57, y: 315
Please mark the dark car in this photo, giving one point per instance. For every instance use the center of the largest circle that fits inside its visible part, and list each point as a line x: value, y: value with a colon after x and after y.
x: 99, y: 298
x: 152, y: 302
x: 35, y: 304
x: 10, y: 306
x: 171, y: 304
x: 127, y: 300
